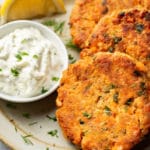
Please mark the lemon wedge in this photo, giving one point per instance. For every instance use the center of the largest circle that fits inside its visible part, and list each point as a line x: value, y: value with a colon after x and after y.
x: 60, y: 7
x: 24, y: 9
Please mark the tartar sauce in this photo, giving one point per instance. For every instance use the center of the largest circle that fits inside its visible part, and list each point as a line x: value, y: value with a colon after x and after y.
x: 29, y: 63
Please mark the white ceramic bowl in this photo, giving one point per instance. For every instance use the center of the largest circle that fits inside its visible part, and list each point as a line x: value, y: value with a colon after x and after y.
x: 49, y: 34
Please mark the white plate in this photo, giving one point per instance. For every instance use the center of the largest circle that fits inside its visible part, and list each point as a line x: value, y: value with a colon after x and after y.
x: 17, y: 120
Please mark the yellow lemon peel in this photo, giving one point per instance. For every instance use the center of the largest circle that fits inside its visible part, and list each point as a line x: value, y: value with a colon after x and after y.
x: 23, y: 9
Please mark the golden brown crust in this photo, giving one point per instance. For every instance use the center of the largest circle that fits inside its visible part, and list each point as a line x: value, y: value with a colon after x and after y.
x: 103, y: 102
x: 127, y: 31
x: 87, y: 13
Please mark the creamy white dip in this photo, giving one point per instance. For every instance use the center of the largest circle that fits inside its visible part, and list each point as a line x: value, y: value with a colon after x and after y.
x: 29, y: 63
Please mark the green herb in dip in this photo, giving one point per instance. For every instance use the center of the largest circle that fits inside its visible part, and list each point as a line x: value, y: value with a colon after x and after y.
x: 28, y: 62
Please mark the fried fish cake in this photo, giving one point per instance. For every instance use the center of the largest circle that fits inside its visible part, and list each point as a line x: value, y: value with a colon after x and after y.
x: 127, y: 31
x: 103, y: 102
x: 87, y: 13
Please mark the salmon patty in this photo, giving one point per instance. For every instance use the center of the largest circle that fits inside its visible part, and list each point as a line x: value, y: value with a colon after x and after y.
x: 127, y: 31
x: 87, y: 13
x: 103, y: 102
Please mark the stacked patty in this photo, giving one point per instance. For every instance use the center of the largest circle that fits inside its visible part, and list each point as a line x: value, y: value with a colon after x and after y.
x: 126, y: 31
x: 87, y: 13
x: 103, y: 100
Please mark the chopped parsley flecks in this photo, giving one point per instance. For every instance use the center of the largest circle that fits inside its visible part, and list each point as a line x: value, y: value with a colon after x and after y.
x: 104, y: 129
x: 44, y: 90
x: 57, y: 26
x: 53, y: 133
x: 87, y: 87
x: 133, y: 85
x: 109, y: 87
x: 137, y: 73
x: 35, y: 56
x: 147, y: 16
x: 117, y: 39
x: 73, y: 61
x: 55, y: 79
x: 107, y: 110
x: 142, y: 89
x: 49, y: 22
x: 121, y: 14
x: 26, y: 139
x: 26, y: 115
x: 111, y: 49
x: 81, y: 122
x: 140, y: 93
x: 70, y: 57
x: 142, y: 86
x: 105, y: 35
x: 112, y: 86
x: 71, y: 45
x: 26, y: 40
x: 87, y: 115
x: 18, y: 57
x: 32, y: 123
x: 15, y: 72
x: 139, y: 27
x: 1, y: 69
x: 24, y: 53
x: 47, y: 148
x: 52, y: 118
x: 129, y: 102
x: 11, y: 105
x: 115, y: 97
